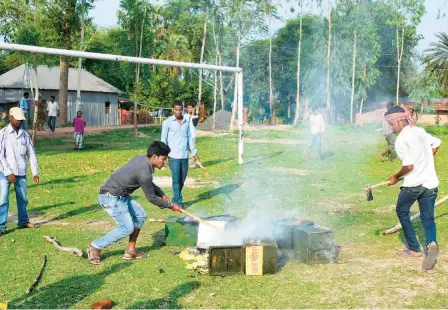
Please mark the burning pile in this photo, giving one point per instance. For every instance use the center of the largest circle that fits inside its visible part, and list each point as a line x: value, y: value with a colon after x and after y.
x: 235, y: 248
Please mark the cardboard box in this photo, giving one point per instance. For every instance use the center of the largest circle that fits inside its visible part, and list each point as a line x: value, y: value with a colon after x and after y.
x: 261, y: 258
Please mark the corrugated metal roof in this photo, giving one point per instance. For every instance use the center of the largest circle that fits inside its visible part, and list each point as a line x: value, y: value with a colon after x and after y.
x: 48, y: 79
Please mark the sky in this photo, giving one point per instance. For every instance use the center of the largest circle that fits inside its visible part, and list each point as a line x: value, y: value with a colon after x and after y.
x: 105, y: 15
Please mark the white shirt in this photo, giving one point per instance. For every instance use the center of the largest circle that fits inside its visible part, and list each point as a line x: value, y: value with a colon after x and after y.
x: 317, y: 123
x: 190, y: 119
x: 52, y: 108
x: 14, y: 148
x: 414, y: 147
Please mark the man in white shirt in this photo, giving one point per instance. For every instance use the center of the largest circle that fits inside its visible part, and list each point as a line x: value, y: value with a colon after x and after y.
x: 15, y: 147
x: 317, y: 128
x: 416, y: 149
x: 53, y: 112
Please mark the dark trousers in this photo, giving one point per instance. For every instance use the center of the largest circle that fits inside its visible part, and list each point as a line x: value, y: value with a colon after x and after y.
x: 52, y: 123
x: 179, y: 169
x: 426, y: 199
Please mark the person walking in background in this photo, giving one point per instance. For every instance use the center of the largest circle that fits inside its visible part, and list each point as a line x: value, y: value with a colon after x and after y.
x: 317, y: 128
x: 176, y: 133
x: 79, y: 123
x: 53, y: 112
x: 416, y: 149
x: 23, y: 104
x: 15, y: 147
x: 193, y: 120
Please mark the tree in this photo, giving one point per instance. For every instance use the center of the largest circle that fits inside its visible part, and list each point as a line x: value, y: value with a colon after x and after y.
x: 437, y: 60
x: 299, y: 59
x: 175, y: 48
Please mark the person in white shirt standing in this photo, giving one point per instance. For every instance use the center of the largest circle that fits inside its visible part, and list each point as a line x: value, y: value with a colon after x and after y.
x: 193, y: 120
x: 317, y: 128
x: 15, y: 147
x: 416, y: 149
x: 53, y: 112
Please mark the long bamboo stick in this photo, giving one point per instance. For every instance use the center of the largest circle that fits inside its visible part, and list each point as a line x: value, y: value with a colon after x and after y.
x: 398, y: 227
x: 198, y: 219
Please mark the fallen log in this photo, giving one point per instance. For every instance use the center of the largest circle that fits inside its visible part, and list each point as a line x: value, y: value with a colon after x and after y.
x: 398, y: 227
x: 75, y: 251
x: 37, y: 279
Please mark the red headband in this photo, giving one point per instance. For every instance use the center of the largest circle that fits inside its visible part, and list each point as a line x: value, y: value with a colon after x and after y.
x: 407, y: 114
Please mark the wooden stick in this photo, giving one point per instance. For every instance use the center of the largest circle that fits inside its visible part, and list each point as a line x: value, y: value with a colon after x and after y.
x: 39, y: 275
x: 155, y: 221
x: 75, y: 251
x: 202, y: 167
x: 370, y: 187
x: 398, y: 226
x: 198, y: 219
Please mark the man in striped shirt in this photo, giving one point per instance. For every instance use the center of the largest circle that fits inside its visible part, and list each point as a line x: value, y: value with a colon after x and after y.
x: 15, y: 147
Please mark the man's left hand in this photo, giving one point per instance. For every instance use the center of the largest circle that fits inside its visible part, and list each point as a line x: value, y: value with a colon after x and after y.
x: 36, y: 179
x: 165, y: 197
x: 196, y: 158
x: 393, y: 180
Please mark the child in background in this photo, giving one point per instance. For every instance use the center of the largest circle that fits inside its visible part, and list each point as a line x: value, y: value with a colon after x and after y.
x: 79, y: 123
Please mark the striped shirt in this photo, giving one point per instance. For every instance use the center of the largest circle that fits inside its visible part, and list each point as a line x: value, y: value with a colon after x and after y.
x: 15, y: 147
x: 387, y: 129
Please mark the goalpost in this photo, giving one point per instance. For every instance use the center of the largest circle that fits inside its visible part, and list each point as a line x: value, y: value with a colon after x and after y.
x: 80, y: 54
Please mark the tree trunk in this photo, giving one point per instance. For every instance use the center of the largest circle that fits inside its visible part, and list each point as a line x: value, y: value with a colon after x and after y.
x: 221, y: 82
x: 352, y: 96
x: 78, y: 92
x: 271, y: 95
x: 299, y: 54
x: 329, y: 62
x: 137, y: 72
x: 201, y: 60
x: 399, y: 58
x: 63, y: 89
x: 235, y: 101
x: 306, y: 108
x: 215, y: 90
x: 362, y: 98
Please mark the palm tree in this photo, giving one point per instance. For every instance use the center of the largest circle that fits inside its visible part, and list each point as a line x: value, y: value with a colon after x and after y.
x: 437, y: 59
x: 175, y: 48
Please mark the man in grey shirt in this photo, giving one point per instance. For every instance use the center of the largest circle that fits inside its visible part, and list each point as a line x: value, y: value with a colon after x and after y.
x: 115, y: 199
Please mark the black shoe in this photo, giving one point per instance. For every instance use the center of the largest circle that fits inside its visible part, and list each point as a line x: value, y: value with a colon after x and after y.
x: 2, y: 233
x: 431, y: 256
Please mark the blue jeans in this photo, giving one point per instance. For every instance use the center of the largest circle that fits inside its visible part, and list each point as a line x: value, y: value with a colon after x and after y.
x: 21, y: 197
x: 126, y: 212
x: 179, y: 169
x: 426, y: 199
x: 52, y: 123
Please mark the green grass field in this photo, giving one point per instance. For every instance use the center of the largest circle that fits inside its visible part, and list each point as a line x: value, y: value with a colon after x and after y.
x: 274, y: 179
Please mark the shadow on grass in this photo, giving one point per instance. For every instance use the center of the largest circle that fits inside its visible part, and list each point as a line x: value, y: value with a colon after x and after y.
x: 72, y: 213
x: 159, y: 242
x: 261, y: 157
x: 226, y: 190
x: 74, y: 179
x: 67, y: 292
x: 39, y: 210
x: 172, y: 300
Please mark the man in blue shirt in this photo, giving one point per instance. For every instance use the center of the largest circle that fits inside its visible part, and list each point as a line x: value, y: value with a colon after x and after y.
x: 176, y: 133
x: 23, y: 104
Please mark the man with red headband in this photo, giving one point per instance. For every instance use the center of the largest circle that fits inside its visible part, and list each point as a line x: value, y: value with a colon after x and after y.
x: 416, y: 149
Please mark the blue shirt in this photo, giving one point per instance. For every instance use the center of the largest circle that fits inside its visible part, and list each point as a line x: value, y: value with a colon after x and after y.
x: 23, y: 104
x: 178, y: 137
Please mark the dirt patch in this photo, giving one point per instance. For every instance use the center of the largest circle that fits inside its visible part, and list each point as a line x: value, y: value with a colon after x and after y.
x: 276, y: 141
x: 203, y: 133
x: 97, y: 225
x: 190, y: 182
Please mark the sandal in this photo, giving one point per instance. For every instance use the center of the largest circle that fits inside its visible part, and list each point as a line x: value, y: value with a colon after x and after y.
x: 431, y: 257
x: 28, y: 225
x: 134, y: 255
x: 94, y: 259
x: 408, y: 252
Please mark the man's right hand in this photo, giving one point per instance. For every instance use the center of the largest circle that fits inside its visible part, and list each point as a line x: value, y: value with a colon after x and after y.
x: 176, y: 208
x: 12, y: 178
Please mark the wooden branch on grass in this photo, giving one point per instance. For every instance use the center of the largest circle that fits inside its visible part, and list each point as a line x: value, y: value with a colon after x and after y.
x: 37, y: 279
x: 75, y: 251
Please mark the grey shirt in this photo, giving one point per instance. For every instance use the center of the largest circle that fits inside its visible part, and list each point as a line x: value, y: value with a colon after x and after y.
x: 135, y: 174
